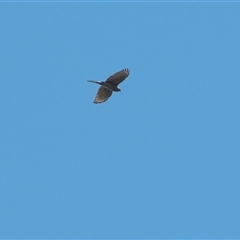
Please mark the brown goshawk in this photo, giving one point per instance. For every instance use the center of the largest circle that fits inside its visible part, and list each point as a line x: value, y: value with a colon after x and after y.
x: 110, y: 85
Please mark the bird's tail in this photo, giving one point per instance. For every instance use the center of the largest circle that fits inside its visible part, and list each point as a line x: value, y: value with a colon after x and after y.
x: 92, y: 81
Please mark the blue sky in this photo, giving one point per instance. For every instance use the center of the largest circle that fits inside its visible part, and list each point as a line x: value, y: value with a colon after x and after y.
x: 161, y: 159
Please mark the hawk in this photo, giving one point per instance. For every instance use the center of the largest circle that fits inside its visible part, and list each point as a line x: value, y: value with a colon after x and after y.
x: 110, y: 85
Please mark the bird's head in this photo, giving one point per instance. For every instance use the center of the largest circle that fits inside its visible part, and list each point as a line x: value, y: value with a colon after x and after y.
x: 116, y: 89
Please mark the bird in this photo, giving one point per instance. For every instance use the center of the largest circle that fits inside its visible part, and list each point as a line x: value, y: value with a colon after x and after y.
x: 110, y: 85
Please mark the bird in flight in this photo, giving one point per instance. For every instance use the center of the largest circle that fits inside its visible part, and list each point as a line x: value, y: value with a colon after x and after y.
x: 110, y: 85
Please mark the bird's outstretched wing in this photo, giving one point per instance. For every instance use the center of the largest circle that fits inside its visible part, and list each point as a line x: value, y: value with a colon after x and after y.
x: 102, y: 95
x: 118, y: 77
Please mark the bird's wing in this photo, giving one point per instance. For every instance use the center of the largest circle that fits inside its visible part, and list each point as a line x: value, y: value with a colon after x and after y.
x: 102, y: 95
x: 118, y: 77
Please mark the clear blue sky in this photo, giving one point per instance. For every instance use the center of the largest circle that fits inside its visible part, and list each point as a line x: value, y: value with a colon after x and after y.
x: 161, y: 159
